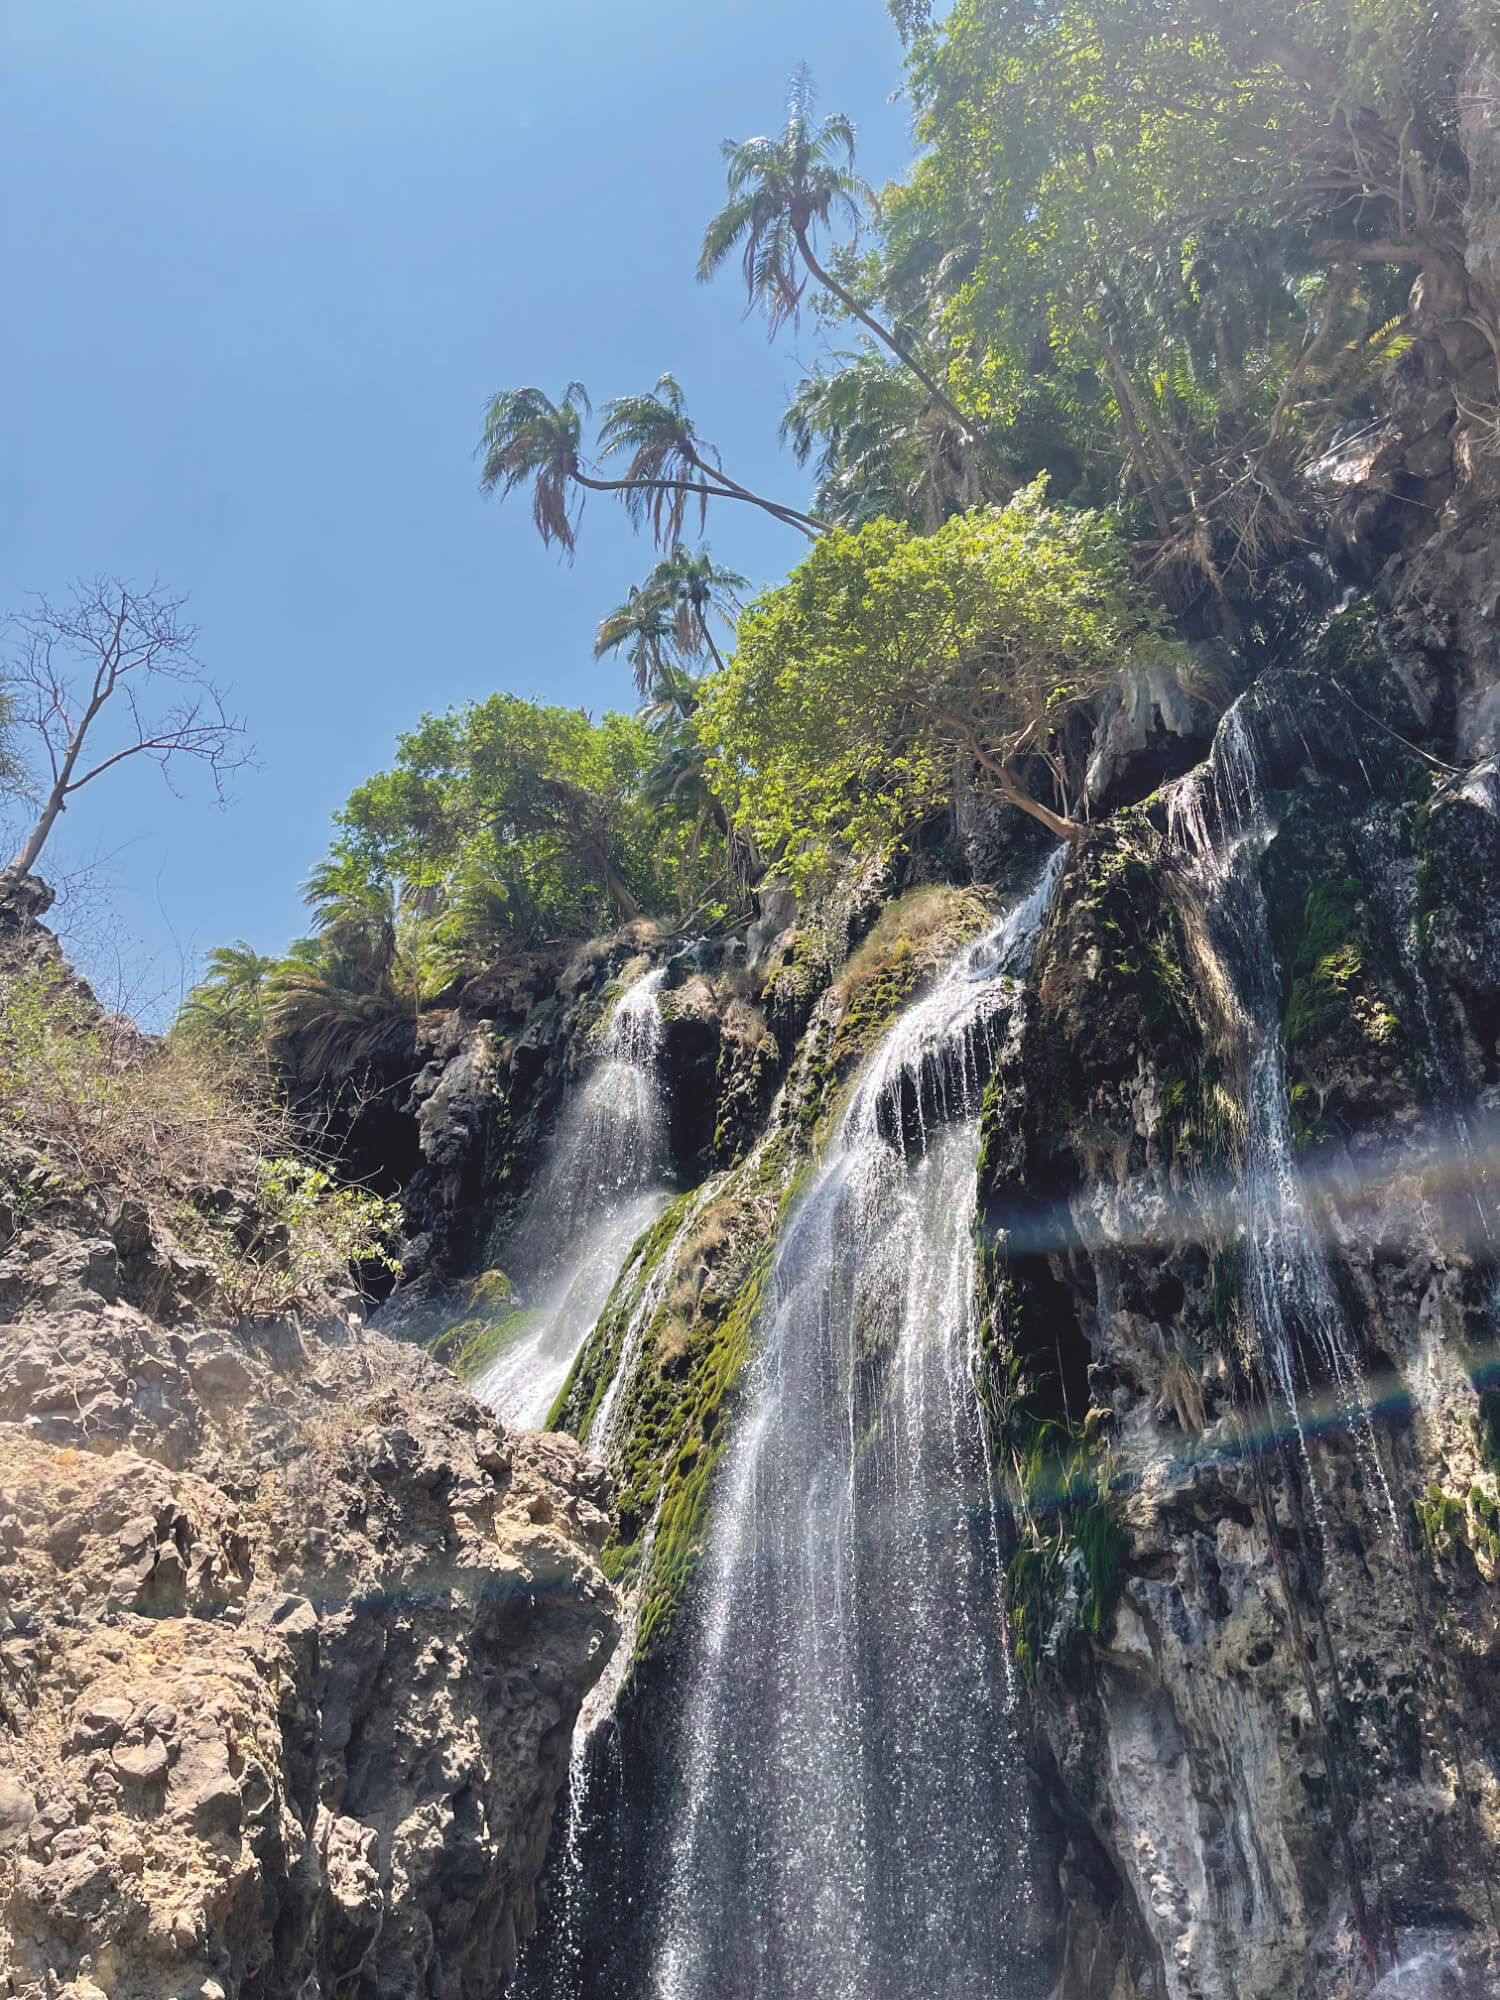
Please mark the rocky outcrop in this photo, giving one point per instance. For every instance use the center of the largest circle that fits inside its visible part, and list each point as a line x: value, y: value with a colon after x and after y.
x: 292, y: 1638
x: 1263, y: 1658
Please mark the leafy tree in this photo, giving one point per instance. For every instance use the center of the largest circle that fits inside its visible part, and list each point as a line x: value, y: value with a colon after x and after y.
x: 542, y: 802
x: 644, y: 630
x: 1193, y: 231
x: 339, y: 1000
x: 227, y: 1006
x: 663, y: 623
x: 893, y: 670
x: 880, y: 445
x: 665, y: 457
x: 781, y: 190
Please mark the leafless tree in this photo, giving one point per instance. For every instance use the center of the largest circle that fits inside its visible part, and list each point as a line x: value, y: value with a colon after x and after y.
x: 108, y: 676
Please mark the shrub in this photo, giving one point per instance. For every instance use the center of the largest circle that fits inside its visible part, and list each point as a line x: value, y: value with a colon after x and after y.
x: 305, y: 1232
x: 187, y: 1136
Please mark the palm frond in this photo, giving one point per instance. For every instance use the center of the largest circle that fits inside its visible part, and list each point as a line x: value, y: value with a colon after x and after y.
x: 527, y: 436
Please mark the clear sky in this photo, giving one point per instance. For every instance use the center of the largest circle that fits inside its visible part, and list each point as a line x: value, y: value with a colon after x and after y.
x: 264, y: 263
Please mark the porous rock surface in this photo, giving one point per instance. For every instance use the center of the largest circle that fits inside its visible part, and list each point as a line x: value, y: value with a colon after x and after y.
x: 292, y: 1639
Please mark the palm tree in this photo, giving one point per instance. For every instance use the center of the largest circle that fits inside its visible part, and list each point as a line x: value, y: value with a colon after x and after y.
x: 880, y: 447
x: 643, y: 627
x: 664, y: 447
x: 694, y: 587
x: 229, y: 1001
x: 670, y: 699
x: 529, y: 437
x: 780, y: 191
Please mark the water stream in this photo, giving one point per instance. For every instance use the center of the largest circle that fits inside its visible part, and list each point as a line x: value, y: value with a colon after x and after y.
x: 1218, y: 817
x: 604, y: 1182
x: 849, y: 1821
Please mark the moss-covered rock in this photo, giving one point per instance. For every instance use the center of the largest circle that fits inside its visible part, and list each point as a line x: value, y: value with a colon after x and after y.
x: 1339, y: 878
x: 1459, y: 846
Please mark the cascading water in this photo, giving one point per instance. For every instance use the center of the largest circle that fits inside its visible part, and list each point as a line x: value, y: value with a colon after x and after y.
x: 1217, y: 817
x: 850, y: 1821
x: 601, y: 1187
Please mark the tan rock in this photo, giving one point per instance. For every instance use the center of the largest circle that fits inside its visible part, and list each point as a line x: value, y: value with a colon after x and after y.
x: 17, y: 1810
x: 141, y: 1763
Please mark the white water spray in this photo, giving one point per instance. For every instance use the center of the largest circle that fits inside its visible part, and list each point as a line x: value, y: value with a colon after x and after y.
x: 850, y: 1819
x: 602, y: 1185
x: 1217, y: 816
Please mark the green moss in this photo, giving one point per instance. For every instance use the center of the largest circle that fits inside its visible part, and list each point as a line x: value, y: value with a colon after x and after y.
x: 1328, y: 964
x: 591, y: 1373
x: 1487, y: 1429
x: 1448, y: 1522
x: 469, y: 1347
x: 1035, y: 1575
x: 676, y: 1411
x: 1484, y: 1523
x: 683, y: 1482
x: 491, y: 1322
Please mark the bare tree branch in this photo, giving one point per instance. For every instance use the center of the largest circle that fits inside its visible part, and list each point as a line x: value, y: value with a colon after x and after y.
x: 112, y: 672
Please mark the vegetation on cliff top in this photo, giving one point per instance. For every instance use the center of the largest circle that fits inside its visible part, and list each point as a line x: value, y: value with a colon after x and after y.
x: 1158, y: 261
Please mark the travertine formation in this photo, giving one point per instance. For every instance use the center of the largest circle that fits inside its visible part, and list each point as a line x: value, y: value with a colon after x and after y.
x: 293, y: 1640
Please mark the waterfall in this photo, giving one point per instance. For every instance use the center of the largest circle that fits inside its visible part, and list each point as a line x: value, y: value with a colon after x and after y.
x: 602, y: 1185
x: 1217, y: 816
x: 849, y: 1820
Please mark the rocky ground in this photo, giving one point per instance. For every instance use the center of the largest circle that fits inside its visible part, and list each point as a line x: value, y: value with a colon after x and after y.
x: 292, y: 1638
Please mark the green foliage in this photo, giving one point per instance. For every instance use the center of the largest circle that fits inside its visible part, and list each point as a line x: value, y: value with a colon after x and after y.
x: 893, y: 668
x: 109, y: 1107
x: 1169, y: 250
x: 306, y: 1234
x: 1449, y: 1522
x: 781, y: 189
x: 226, y: 1009
x: 501, y: 826
x: 166, y: 1125
x: 668, y: 469
x: 1091, y: 1534
x: 676, y: 1407
x: 542, y: 801
x: 880, y: 447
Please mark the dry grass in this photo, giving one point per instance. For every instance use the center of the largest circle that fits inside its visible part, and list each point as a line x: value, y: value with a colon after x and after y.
x: 913, y: 920
x: 745, y: 1024
x: 114, y: 1110
x: 201, y: 1153
x: 673, y: 1338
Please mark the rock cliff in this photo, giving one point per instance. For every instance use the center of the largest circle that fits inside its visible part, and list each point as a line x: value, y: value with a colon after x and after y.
x: 292, y: 1636
x: 296, y: 1637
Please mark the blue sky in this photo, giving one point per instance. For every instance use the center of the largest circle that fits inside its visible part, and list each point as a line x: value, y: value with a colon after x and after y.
x: 265, y: 261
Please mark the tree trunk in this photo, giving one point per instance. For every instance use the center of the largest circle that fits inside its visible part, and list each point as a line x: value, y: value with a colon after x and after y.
x: 1013, y: 790
x: 728, y: 491
x: 733, y: 488
x: 619, y: 895
x: 902, y: 353
x: 708, y: 639
x: 36, y: 840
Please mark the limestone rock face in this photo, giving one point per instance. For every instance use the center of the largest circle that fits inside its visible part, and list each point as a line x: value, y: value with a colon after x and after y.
x: 291, y: 1643
x: 1282, y: 1740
